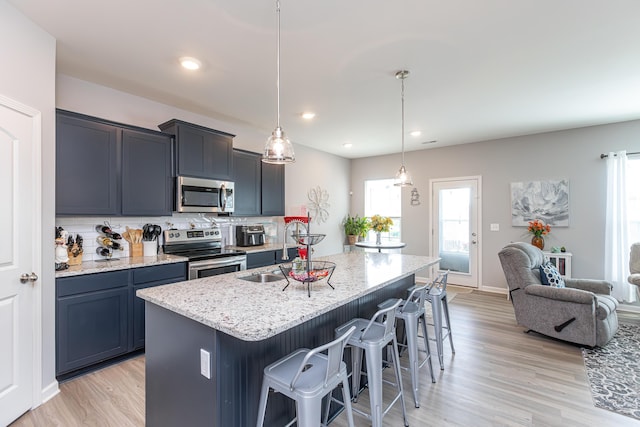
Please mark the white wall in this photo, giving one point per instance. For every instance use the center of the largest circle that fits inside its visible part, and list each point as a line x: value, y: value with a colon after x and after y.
x: 330, y: 173
x: 27, y: 75
x: 572, y: 154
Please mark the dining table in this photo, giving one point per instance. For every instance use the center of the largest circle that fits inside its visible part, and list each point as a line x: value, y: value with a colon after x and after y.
x: 389, y: 244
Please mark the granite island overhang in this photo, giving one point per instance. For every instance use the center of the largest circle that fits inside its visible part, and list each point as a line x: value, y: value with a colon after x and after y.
x: 208, y: 340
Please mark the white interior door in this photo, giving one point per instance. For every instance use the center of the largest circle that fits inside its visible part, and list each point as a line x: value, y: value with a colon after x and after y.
x: 455, y: 228
x: 17, y: 257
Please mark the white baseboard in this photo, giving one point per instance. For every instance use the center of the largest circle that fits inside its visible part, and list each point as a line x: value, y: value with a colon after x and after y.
x: 50, y: 391
x: 422, y: 279
x: 629, y: 307
x: 494, y: 290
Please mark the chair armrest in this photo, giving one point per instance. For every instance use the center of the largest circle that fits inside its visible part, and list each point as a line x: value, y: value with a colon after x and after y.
x: 596, y: 286
x: 577, y: 296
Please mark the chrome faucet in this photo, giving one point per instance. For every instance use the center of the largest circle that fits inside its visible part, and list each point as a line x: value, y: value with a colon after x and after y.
x: 285, y: 255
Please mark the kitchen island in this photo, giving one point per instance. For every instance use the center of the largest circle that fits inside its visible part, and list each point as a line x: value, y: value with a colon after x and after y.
x: 233, y: 328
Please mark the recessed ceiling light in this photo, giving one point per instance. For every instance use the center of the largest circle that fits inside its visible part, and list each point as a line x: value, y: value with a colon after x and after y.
x: 415, y: 133
x: 308, y: 115
x: 190, y: 63
x: 347, y: 145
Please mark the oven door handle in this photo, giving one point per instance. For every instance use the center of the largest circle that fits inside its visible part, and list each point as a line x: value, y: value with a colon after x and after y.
x: 218, y: 262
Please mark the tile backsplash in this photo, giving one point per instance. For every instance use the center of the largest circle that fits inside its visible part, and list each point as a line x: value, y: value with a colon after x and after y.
x: 85, y: 227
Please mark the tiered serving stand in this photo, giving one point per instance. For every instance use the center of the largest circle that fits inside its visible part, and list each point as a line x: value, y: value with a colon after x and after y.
x: 313, y: 271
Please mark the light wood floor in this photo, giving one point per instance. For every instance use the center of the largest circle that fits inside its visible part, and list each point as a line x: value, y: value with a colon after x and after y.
x: 499, y: 376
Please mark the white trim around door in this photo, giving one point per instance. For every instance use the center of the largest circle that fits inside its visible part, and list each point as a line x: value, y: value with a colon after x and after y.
x: 455, y: 224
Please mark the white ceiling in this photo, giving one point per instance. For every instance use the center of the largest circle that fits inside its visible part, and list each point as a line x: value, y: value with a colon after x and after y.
x: 479, y: 69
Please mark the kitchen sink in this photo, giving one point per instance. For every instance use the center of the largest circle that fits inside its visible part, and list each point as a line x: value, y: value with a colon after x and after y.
x: 262, y: 277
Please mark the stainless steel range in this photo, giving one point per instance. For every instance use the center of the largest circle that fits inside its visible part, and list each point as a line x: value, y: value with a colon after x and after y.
x: 204, y: 249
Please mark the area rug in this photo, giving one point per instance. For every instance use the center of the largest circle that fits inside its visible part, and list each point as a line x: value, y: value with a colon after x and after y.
x: 614, y: 372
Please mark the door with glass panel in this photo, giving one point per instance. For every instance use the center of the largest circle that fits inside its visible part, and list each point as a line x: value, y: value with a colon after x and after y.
x: 455, y: 228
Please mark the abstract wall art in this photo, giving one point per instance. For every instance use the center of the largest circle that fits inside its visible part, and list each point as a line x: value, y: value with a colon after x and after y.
x: 544, y: 200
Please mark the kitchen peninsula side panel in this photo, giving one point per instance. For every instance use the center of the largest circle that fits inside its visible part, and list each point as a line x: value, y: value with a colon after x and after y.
x: 177, y: 393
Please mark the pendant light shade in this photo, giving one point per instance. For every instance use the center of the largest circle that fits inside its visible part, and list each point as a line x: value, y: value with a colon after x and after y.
x: 403, y: 178
x: 278, y: 149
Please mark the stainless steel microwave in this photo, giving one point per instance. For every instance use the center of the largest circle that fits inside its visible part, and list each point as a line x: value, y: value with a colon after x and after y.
x: 204, y: 195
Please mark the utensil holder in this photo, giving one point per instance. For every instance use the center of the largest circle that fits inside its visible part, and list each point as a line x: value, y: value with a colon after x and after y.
x: 150, y: 248
x: 135, y: 249
x: 75, y: 260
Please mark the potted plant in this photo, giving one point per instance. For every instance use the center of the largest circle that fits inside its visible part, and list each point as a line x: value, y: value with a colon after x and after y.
x: 355, y: 226
x: 363, y: 227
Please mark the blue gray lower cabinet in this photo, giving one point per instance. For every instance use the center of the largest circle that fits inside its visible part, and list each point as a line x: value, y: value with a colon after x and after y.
x: 265, y: 258
x: 176, y: 392
x: 98, y: 316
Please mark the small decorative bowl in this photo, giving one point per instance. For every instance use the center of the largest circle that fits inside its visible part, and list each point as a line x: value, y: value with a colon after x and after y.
x: 308, y: 239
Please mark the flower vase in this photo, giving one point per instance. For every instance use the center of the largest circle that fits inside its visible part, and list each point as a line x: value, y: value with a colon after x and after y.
x: 538, y: 241
x: 378, y: 238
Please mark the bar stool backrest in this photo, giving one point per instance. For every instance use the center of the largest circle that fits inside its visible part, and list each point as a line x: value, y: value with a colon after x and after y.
x: 416, y: 298
x: 334, y: 350
x: 385, y: 317
x: 440, y: 282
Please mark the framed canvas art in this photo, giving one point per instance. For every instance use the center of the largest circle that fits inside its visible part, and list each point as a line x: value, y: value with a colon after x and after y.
x: 544, y: 200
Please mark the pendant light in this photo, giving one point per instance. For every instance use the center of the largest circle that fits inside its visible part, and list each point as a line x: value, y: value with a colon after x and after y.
x: 278, y: 149
x: 403, y: 178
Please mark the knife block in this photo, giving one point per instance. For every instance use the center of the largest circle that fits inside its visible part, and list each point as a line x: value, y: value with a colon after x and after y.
x: 135, y: 249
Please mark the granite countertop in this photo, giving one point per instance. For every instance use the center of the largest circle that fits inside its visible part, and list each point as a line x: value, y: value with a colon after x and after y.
x: 123, y: 263
x: 256, y: 311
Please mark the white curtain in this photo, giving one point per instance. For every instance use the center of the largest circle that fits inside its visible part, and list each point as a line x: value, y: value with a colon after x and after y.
x: 616, y: 265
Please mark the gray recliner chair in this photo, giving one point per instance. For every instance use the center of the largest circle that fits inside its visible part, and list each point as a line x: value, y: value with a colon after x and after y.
x: 584, y: 312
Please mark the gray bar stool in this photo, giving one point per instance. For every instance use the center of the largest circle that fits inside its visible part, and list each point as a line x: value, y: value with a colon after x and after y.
x: 412, y: 312
x: 437, y: 296
x: 372, y: 336
x: 306, y: 376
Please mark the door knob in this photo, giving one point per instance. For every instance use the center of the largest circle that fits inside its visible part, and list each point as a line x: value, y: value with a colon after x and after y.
x: 26, y: 277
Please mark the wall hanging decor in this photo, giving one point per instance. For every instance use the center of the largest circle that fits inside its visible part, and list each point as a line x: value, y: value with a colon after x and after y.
x: 415, y: 197
x: 319, y: 204
x: 544, y: 200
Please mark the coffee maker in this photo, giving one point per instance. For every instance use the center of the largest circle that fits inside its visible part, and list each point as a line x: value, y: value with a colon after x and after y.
x: 250, y: 235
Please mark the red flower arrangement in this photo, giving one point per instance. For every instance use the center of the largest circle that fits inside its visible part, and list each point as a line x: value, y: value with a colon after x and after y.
x: 538, y: 228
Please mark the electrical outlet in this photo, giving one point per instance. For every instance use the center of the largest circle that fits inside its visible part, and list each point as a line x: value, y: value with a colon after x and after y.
x: 205, y: 363
x: 495, y: 227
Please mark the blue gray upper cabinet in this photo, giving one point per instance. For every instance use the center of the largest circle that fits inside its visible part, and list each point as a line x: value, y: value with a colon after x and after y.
x: 147, y: 181
x: 272, y: 189
x: 246, y: 176
x: 87, y: 166
x: 107, y: 168
x: 201, y: 152
x: 259, y: 186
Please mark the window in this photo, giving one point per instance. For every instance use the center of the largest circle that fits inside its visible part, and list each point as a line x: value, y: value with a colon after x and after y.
x: 633, y: 199
x: 454, y: 220
x: 381, y: 197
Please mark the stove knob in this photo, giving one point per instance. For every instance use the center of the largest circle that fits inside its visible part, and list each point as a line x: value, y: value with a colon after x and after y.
x: 177, y: 234
x: 170, y: 235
